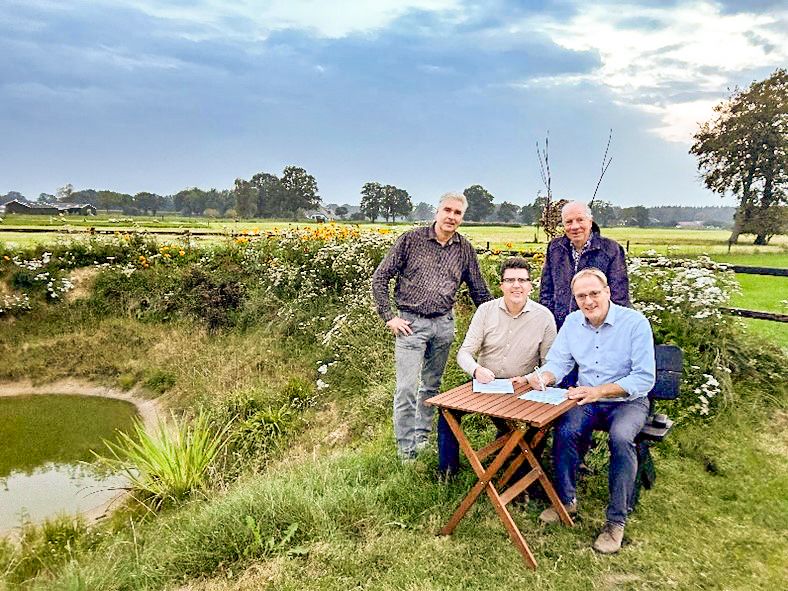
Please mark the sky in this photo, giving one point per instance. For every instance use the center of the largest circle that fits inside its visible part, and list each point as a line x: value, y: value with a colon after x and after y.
x: 428, y: 95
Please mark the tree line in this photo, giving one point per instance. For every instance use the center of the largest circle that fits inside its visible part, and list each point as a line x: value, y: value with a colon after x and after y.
x: 742, y: 151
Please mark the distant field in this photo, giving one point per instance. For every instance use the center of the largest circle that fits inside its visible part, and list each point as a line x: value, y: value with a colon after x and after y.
x: 666, y: 241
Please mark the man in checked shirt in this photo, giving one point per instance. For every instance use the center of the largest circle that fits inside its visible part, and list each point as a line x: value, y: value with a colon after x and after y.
x: 429, y: 265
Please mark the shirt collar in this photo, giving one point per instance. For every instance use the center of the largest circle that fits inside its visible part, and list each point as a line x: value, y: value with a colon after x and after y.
x: 529, y: 305
x: 609, y: 319
x: 431, y: 235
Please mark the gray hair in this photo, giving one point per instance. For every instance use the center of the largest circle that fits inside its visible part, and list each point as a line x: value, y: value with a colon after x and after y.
x: 586, y: 210
x: 453, y: 197
x: 593, y: 271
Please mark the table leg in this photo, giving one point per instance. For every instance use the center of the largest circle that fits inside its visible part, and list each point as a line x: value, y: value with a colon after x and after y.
x: 485, y: 476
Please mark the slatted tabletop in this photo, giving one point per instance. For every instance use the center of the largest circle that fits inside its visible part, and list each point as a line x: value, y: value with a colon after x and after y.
x: 505, y: 406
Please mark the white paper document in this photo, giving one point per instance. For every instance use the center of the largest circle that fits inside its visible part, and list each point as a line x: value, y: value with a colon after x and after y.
x: 548, y: 395
x: 497, y: 386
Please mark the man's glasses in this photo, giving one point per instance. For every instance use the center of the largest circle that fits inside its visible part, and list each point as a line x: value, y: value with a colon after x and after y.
x: 592, y: 294
x: 512, y: 280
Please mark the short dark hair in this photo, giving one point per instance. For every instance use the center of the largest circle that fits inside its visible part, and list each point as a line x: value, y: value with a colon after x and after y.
x: 515, y: 263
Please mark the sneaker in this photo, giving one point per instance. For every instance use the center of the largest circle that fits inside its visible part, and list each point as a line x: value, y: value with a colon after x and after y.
x: 609, y: 541
x: 550, y: 515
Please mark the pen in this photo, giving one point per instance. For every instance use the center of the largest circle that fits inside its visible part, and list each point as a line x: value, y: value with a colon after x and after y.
x: 539, y: 376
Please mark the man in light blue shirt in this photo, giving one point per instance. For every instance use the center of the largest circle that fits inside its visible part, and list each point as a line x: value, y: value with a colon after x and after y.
x: 613, y: 347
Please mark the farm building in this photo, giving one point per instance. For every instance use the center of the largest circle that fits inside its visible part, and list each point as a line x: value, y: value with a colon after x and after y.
x: 49, y: 208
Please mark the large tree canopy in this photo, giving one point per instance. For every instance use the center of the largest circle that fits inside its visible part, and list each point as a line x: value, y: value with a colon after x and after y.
x: 480, y: 203
x: 744, y: 151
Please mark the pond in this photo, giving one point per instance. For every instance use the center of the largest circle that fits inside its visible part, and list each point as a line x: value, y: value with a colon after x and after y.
x: 44, y: 441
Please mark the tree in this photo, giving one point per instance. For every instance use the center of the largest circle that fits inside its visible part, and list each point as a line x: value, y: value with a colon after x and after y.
x: 147, y: 202
x: 46, y: 198
x: 191, y: 201
x: 507, y: 211
x: 63, y: 193
x: 245, y: 198
x: 604, y: 212
x: 271, y: 199
x: 341, y: 212
x: 744, y: 151
x: 371, y: 200
x: 300, y: 189
x: 394, y: 201
x: 480, y: 203
x: 423, y: 211
x: 635, y: 216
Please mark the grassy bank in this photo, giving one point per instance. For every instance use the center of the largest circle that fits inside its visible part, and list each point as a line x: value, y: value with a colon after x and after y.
x: 277, y: 338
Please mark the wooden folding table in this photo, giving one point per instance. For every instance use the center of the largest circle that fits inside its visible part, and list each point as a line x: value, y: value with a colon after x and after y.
x: 529, y: 422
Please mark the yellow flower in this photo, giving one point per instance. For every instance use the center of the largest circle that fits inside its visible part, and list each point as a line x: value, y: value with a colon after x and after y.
x: 181, y: 252
x: 509, y: 245
x: 5, y: 258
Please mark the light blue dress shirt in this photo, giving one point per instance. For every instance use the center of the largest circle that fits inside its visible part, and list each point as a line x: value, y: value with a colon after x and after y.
x: 620, y: 351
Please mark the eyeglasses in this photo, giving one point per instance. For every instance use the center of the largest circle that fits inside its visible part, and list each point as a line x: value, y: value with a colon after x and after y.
x: 592, y: 294
x: 511, y: 280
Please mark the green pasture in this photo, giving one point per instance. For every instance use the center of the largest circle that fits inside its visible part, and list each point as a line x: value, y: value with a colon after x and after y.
x: 665, y: 241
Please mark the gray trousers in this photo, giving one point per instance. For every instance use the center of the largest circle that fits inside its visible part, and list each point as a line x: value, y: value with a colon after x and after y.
x: 420, y: 361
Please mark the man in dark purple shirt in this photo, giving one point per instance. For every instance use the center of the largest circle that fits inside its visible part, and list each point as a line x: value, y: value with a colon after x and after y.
x: 429, y: 264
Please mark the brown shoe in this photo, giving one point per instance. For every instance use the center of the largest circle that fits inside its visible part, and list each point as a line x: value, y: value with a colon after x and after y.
x: 550, y: 515
x: 609, y: 541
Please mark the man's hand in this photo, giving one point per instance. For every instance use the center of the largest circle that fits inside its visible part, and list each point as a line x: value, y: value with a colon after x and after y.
x: 517, y: 380
x: 399, y: 326
x: 533, y: 380
x: 585, y: 394
x: 483, y: 375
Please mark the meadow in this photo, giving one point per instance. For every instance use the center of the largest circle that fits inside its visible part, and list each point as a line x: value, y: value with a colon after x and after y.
x: 274, y: 336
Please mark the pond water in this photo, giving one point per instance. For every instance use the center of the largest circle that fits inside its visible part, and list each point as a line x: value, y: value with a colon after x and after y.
x: 45, y: 441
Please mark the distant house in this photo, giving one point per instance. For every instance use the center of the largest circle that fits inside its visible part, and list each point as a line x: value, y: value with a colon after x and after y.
x: 692, y: 224
x: 319, y: 215
x: 16, y: 206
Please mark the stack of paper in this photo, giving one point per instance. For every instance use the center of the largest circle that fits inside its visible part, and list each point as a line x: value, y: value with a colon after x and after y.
x: 497, y: 386
x: 548, y: 395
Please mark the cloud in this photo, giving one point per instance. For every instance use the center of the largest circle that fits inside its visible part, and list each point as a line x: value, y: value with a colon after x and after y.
x: 650, y: 55
x: 255, y: 20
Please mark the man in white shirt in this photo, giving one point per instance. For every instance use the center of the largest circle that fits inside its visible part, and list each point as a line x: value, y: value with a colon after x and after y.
x: 508, y: 337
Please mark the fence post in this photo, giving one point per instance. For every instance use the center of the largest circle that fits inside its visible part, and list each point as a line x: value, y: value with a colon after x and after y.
x: 627, y: 246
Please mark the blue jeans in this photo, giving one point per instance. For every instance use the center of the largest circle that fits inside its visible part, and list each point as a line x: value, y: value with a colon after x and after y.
x: 420, y: 361
x: 623, y: 421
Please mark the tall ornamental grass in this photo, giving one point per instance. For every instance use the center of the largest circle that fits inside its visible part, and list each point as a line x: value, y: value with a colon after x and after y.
x: 169, y: 464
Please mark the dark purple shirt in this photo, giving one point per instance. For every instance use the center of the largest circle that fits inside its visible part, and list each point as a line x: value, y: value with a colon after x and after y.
x: 428, y: 274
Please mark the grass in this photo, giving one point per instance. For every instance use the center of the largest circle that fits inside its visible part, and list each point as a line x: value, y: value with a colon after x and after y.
x: 762, y: 292
x: 670, y: 241
x: 358, y: 519
x: 337, y: 511
x: 57, y: 428
x: 169, y: 464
